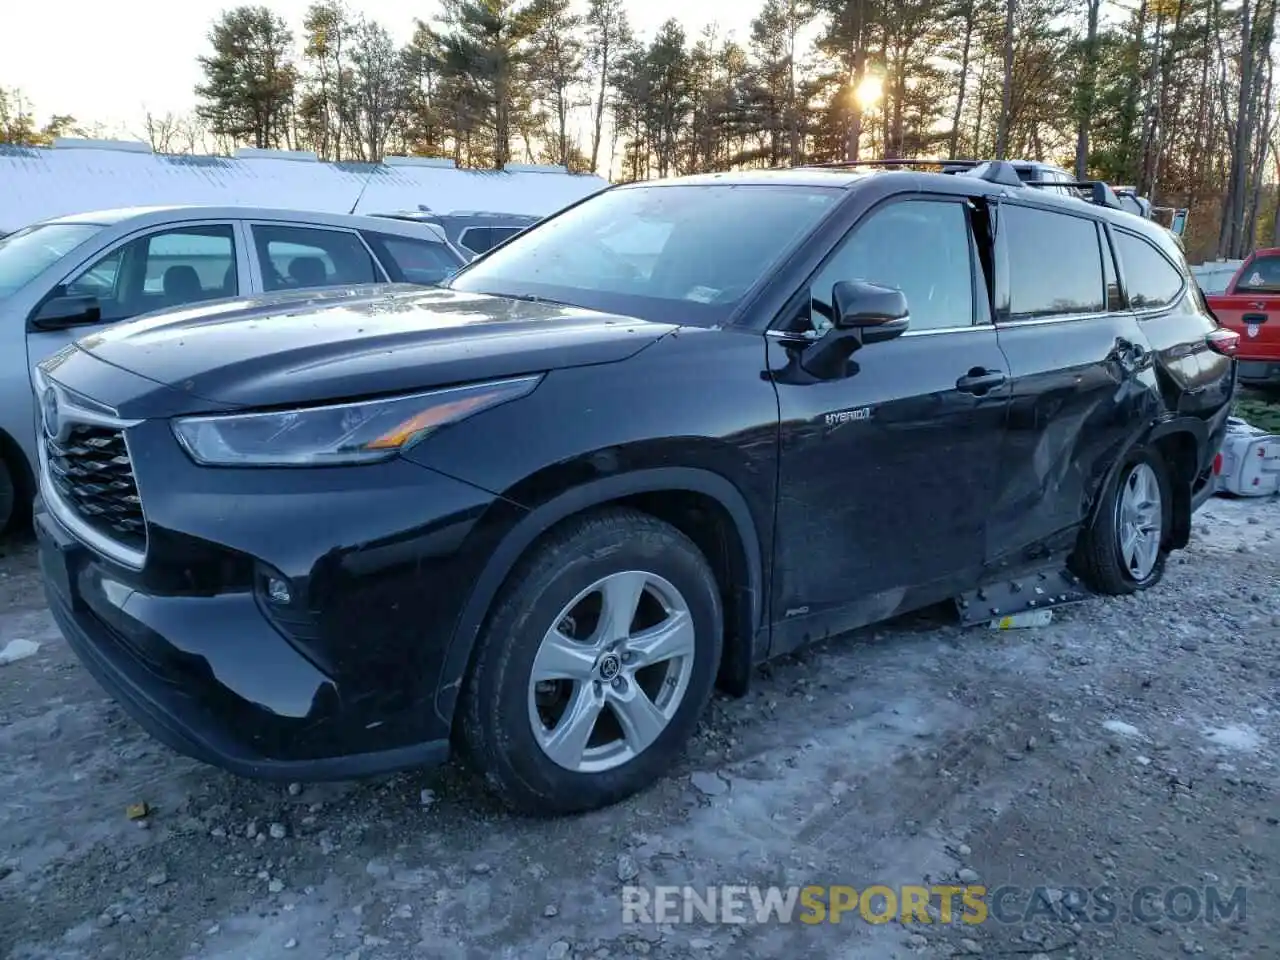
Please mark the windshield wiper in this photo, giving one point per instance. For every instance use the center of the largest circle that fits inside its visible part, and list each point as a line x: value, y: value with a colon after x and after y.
x: 534, y: 298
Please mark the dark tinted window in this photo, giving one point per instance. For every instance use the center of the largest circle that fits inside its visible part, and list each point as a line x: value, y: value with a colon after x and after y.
x: 477, y: 239
x: 687, y: 252
x: 1055, y: 263
x: 1150, y: 279
x: 298, y: 257
x: 1115, y: 299
x: 1263, y: 274
x: 414, y: 261
x: 499, y: 234
x: 921, y: 247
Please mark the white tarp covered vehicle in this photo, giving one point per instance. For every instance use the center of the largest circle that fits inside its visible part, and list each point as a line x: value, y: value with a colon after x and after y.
x: 1249, y: 462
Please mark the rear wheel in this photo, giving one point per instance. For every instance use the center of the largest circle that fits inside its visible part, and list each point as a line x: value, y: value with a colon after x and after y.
x: 1124, y: 549
x: 595, y: 666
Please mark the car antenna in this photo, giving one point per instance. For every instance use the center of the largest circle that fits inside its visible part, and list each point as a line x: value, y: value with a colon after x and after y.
x: 373, y: 168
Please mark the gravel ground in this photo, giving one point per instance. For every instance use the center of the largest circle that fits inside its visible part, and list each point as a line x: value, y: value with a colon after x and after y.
x: 1131, y: 743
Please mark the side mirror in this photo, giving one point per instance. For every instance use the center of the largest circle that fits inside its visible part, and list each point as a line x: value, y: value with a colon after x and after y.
x: 64, y: 311
x: 877, y: 312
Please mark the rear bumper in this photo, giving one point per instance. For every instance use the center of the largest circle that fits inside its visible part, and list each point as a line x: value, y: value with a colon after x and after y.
x: 1259, y: 372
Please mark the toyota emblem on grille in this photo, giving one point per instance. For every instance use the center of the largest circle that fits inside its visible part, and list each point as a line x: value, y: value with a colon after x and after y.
x: 49, y: 413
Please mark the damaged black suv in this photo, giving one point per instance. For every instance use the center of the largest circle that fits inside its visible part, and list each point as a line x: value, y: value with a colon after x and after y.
x: 680, y: 427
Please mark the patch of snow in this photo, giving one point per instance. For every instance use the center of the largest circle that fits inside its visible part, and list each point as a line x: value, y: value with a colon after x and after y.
x: 1235, y: 737
x: 16, y: 650
x: 1122, y: 728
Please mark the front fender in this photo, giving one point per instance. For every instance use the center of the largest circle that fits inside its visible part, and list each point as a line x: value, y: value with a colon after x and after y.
x: 576, y: 500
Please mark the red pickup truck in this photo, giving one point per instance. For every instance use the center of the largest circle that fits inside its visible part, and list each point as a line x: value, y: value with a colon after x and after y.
x: 1251, y: 307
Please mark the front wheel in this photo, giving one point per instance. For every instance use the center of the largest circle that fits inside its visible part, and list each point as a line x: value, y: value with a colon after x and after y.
x: 595, y: 665
x: 1124, y: 549
x: 8, y: 496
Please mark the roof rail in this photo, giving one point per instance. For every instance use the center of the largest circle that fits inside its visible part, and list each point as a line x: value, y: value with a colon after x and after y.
x: 1100, y: 192
x: 886, y: 162
x: 1002, y: 172
x: 995, y: 171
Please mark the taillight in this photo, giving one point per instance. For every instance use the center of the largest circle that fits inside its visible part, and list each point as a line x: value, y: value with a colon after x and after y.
x: 1217, y: 465
x: 1225, y: 342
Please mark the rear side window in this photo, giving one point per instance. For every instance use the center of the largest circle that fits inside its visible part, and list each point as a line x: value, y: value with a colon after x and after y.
x: 1150, y: 279
x: 499, y: 235
x: 295, y: 258
x: 1263, y: 275
x: 477, y: 239
x: 414, y: 261
x: 1115, y: 299
x: 1054, y: 261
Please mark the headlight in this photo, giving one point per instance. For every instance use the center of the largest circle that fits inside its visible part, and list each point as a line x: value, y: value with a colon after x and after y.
x: 346, y: 433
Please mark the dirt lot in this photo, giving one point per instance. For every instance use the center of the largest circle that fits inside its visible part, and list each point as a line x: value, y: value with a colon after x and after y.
x: 1131, y: 743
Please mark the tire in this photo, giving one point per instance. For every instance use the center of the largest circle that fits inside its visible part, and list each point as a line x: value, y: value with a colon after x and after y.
x: 1101, y: 558
x: 510, y: 730
x: 8, y: 497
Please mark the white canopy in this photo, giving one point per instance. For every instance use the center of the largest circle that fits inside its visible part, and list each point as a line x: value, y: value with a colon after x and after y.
x: 78, y: 176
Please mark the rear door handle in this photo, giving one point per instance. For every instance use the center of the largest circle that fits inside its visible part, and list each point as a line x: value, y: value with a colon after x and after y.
x: 978, y: 381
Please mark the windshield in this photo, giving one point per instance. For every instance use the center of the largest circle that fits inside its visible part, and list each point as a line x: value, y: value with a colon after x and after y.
x: 1263, y: 274
x: 25, y: 254
x: 676, y: 253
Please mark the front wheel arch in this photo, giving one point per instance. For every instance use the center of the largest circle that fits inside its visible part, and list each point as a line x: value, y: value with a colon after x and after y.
x: 22, y: 483
x: 743, y: 619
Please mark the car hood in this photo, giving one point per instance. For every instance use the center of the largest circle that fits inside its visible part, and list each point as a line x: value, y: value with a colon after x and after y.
x: 359, y: 342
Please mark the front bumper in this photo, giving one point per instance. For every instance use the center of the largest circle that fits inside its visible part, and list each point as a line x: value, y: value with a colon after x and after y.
x: 177, y: 696
x: 338, y: 684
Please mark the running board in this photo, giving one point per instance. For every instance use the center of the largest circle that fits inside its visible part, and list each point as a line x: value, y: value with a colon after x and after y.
x: 1041, y: 590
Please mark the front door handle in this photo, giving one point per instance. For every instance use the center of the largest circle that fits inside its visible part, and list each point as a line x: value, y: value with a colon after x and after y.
x: 979, y: 381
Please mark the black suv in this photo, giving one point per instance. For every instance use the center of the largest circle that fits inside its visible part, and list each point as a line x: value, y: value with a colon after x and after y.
x: 476, y: 231
x: 672, y: 431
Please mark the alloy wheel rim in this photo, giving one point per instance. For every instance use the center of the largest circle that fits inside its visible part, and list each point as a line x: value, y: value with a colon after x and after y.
x: 611, y: 671
x: 1139, y: 521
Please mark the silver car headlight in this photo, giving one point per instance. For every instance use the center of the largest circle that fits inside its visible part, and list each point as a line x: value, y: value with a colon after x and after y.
x: 347, y: 433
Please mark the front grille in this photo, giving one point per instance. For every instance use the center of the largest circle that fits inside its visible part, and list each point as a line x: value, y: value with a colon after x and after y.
x: 91, y: 471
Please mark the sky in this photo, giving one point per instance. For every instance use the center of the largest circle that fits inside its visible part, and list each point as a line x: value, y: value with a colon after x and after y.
x: 112, y: 63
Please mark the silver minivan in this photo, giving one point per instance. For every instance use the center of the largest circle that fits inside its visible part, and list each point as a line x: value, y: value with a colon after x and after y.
x: 60, y: 278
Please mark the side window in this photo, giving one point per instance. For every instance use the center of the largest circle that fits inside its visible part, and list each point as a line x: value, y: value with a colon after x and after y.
x: 294, y: 258
x: 499, y: 235
x: 169, y: 268
x: 1054, y: 263
x: 1150, y: 279
x: 477, y: 239
x: 100, y: 279
x: 1115, y: 299
x: 414, y: 261
x: 922, y: 247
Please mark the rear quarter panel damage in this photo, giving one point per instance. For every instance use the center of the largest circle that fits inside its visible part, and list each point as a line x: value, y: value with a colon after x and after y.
x: 1079, y: 401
